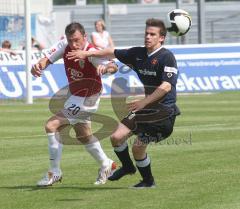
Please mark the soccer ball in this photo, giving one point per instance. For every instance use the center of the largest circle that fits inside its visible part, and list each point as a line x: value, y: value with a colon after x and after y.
x: 178, y: 22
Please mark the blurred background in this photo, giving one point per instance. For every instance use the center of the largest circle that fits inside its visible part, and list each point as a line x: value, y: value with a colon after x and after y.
x: 196, y: 168
x: 208, y: 56
x: 213, y: 21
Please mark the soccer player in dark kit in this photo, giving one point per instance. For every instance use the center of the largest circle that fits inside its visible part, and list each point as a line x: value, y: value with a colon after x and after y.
x: 151, y: 118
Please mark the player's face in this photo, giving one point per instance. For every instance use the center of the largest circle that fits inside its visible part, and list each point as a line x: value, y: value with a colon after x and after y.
x: 77, y: 40
x: 153, y: 38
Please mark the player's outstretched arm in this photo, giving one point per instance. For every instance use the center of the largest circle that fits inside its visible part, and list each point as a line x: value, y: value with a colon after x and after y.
x: 40, y: 66
x: 76, y: 55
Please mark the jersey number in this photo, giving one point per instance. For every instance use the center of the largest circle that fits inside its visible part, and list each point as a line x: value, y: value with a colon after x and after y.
x: 74, y: 109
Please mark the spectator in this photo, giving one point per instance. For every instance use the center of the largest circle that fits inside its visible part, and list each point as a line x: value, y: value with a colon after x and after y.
x: 6, y: 47
x: 101, y: 38
x: 36, y: 45
x: 6, y: 44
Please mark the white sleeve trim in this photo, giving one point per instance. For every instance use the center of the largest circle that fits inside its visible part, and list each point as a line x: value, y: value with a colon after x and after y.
x: 170, y: 70
x: 57, y: 50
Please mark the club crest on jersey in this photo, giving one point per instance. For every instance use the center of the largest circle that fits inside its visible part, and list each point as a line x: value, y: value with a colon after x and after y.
x: 169, y: 75
x: 81, y: 63
x: 154, y: 61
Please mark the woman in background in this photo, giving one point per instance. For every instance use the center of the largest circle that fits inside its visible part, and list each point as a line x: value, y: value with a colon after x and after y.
x: 101, y: 38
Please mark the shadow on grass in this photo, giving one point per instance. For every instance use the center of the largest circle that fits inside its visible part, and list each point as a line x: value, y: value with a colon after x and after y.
x: 81, y: 188
x: 70, y: 200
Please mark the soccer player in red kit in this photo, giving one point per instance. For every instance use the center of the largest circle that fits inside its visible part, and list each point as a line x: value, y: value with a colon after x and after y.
x: 84, y: 78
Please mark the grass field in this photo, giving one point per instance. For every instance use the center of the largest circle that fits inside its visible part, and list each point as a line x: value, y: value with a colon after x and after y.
x: 198, y: 167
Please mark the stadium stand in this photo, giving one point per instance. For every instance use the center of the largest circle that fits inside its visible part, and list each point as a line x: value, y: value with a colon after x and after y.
x: 222, y: 21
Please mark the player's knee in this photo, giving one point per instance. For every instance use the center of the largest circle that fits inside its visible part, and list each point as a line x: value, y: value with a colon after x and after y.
x: 50, y: 127
x: 86, y: 139
x: 115, y: 140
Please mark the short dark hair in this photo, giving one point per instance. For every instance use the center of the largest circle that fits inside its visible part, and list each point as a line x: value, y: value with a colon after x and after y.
x: 73, y: 27
x: 157, y: 23
x: 6, y: 44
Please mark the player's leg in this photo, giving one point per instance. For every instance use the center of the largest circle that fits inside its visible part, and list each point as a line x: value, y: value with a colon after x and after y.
x: 119, y: 142
x: 153, y: 132
x: 52, y: 127
x: 93, y: 147
x: 91, y: 143
x: 143, y: 164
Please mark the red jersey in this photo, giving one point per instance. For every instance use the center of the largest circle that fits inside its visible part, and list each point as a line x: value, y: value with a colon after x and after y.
x: 82, y: 76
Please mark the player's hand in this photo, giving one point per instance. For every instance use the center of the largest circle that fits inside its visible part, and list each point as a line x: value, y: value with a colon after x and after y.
x: 76, y: 55
x: 101, y: 69
x: 40, y: 66
x: 36, y: 70
x: 136, y: 105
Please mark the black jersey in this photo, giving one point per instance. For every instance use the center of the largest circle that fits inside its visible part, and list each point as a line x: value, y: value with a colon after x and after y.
x: 152, y: 70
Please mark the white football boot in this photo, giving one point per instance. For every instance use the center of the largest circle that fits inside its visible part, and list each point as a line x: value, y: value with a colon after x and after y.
x: 105, y: 171
x: 50, y: 178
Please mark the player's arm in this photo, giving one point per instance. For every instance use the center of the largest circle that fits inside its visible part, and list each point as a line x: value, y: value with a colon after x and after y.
x: 110, y: 68
x: 102, y: 65
x: 76, y: 55
x: 40, y: 66
x: 169, y: 79
x: 54, y: 53
x: 158, y: 94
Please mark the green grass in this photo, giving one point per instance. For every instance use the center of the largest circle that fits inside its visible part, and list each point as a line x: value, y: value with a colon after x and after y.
x: 198, y: 167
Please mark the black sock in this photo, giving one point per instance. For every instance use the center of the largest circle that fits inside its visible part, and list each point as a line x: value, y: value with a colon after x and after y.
x: 144, y: 167
x: 125, y: 159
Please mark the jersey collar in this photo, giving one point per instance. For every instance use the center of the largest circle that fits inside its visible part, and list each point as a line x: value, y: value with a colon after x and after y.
x: 155, y: 51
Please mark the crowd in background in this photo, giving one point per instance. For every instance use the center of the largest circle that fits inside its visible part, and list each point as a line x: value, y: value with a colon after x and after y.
x: 100, y: 38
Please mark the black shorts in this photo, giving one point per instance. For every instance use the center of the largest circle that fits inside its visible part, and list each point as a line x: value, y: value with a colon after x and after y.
x: 152, y: 124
